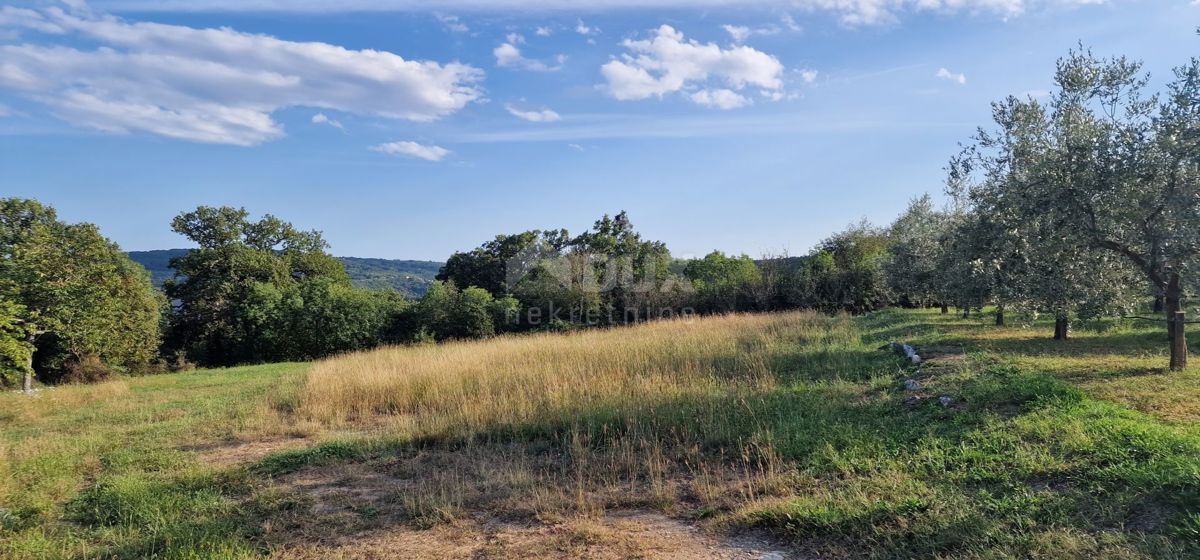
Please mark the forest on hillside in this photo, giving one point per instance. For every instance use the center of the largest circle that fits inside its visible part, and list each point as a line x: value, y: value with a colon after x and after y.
x: 409, y: 277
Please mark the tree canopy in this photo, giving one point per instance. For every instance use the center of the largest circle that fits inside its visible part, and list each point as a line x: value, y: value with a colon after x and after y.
x: 72, y: 294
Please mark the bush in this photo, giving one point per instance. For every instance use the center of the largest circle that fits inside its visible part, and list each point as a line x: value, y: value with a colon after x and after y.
x: 84, y: 369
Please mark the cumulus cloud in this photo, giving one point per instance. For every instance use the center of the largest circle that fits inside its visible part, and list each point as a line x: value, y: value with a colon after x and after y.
x: 542, y: 31
x: 947, y: 75
x: 213, y: 85
x: 809, y: 76
x: 320, y: 118
x: 413, y: 149
x: 544, y: 115
x: 667, y: 63
x: 849, y: 12
x: 508, y: 55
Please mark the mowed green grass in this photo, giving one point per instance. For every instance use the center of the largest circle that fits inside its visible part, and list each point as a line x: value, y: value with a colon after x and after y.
x: 1084, y: 448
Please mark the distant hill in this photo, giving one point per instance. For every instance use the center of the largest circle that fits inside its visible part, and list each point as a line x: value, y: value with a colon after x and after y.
x: 407, y: 277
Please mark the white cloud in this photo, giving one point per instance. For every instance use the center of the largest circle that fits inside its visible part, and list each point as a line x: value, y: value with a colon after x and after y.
x: 413, y: 149
x: 544, y: 115
x: 809, y: 76
x: 740, y: 33
x: 515, y: 38
x: 452, y: 23
x: 320, y: 118
x: 667, y: 64
x: 216, y: 85
x: 790, y: 23
x: 543, y: 31
x: 720, y: 98
x: 575, y: 147
x: 13, y: 17
x: 945, y: 74
x: 509, y: 56
x: 583, y: 29
x: 849, y: 12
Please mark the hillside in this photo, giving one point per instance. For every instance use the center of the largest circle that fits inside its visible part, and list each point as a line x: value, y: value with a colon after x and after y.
x: 407, y: 277
x: 744, y: 436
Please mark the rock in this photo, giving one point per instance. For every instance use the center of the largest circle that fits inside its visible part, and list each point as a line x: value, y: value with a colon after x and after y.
x: 946, y: 401
x: 912, y: 385
x: 914, y: 399
x: 903, y: 349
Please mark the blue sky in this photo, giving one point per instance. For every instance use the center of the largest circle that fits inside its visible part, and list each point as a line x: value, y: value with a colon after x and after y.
x: 408, y: 129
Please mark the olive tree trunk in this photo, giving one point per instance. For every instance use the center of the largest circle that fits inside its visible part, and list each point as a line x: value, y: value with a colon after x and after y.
x: 1175, y: 323
x: 1179, y: 349
x: 1000, y: 316
x: 1062, y: 327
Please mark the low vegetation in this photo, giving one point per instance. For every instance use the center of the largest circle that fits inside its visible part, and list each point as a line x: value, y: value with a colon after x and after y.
x: 791, y: 424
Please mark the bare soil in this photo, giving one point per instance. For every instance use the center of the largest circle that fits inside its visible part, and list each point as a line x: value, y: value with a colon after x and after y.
x: 355, y: 511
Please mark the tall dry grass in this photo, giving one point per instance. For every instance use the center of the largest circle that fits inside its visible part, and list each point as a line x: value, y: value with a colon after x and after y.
x: 632, y: 413
x: 538, y: 381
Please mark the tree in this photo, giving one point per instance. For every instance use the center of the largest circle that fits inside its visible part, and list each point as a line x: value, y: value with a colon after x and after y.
x: 503, y: 260
x: 16, y: 352
x: 632, y: 272
x: 724, y: 284
x: 448, y: 313
x: 915, y: 254
x: 75, y: 294
x: 323, y: 316
x: 235, y: 291
x: 1103, y: 168
x: 845, y: 272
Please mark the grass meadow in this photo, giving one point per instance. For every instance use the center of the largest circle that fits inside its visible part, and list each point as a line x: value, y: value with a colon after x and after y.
x: 790, y: 427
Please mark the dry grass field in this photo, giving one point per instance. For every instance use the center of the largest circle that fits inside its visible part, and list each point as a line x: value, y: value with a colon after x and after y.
x: 745, y: 436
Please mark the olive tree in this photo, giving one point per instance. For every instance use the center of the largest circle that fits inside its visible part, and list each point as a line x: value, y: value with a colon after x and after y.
x: 1100, y: 182
x: 916, y: 251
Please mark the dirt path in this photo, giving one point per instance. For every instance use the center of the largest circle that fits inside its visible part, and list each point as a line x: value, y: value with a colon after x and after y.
x: 616, y: 536
x: 354, y: 511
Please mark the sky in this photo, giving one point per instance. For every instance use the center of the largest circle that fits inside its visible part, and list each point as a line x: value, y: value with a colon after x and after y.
x: 415, y: 128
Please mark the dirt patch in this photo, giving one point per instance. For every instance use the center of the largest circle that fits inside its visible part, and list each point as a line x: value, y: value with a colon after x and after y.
x: 228, y: 453
x: 361, y: 510
x: 1149, y: 516
x: 941, y: 353
x: 614, y: 536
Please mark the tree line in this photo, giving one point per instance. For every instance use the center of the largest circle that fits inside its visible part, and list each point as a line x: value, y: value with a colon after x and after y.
x: 1082, y: 205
